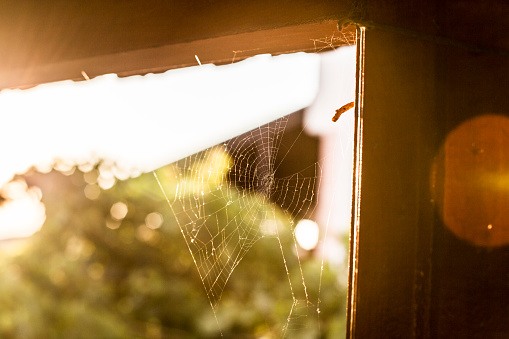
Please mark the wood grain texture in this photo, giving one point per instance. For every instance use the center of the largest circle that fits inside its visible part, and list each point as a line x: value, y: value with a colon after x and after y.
x: 429, y: 70
x: 41, y: 37
x: 312, y: 37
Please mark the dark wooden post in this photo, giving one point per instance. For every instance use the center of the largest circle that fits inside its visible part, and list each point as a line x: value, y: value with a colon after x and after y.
x: 430, y: 262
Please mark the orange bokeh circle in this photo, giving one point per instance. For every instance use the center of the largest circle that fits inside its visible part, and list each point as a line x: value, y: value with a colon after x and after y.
x: 470, y: 181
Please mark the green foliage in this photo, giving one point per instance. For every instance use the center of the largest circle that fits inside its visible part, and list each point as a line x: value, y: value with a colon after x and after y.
x: 87, y: 275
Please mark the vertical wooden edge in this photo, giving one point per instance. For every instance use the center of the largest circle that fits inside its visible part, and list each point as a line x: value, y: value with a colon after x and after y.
x: 356, y: 192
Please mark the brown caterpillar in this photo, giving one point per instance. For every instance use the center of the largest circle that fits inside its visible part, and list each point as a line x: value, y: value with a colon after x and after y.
x: 342, y: 110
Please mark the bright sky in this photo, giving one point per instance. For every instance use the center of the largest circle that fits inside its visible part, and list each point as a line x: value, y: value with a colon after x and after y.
x: 172, y: 115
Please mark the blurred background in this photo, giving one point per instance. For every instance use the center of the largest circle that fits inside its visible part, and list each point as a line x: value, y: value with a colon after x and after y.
x: 90, y: 247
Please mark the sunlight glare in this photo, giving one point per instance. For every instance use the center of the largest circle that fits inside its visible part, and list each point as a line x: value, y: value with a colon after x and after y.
x: 141, y: 123
x: 307, y: 233
x: 125, y: 120
x: 22, y: 214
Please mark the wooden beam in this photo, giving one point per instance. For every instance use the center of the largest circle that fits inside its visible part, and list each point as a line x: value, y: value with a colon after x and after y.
x: 311, y: 37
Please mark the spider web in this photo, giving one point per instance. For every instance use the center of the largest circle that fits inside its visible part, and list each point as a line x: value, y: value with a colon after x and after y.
x: 238, y: 178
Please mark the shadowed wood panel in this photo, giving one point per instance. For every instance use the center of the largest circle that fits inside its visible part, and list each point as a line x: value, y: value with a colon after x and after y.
x: 313, y: 37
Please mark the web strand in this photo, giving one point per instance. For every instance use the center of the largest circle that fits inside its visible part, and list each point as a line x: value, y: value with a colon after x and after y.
x: 224, y: 200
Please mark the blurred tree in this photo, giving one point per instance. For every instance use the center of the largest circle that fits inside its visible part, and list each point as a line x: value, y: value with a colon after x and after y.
x: 95, y: 270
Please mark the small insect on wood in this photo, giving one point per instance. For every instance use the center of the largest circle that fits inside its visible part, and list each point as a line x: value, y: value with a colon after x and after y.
x: 342, y: 110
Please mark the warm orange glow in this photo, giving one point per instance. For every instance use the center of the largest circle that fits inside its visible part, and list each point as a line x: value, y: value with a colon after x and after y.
x: 470, y: 181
